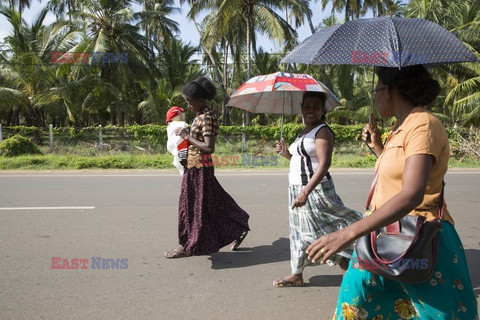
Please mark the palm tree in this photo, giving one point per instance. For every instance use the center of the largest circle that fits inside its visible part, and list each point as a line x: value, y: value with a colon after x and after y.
x: 28, y: 75
x: 459, y: 104
x: 462, y: 103
x: 109, y: 29
x: 298, y: 11
x: 176, y: 63
x: 252, y: 16
x: 381, y: 7
x: 157, y: 102
x: 352, y: 8
x: 20, y: 3
x: 58, y: 7
x: 158, y: 27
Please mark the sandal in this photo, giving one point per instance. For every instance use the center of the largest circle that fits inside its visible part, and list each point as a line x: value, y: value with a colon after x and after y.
x: 282, y: 283
x: 178, y: 252
x: 239, y: 241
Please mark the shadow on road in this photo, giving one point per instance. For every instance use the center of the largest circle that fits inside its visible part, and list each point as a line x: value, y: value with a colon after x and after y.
x: 473, y: 260
x: 278, y: 251
x: 327, y: 280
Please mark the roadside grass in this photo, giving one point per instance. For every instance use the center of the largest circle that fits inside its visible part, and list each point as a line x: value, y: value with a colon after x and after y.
x: 260, y: 156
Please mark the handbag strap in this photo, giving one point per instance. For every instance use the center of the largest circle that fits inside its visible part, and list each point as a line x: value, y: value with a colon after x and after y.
x: 395, y: 227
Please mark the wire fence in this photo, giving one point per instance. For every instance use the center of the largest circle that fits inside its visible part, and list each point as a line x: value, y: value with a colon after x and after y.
x: 114, y: 140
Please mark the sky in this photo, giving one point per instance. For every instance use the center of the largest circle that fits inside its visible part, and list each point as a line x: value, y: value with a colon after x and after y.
x: 188, y: 33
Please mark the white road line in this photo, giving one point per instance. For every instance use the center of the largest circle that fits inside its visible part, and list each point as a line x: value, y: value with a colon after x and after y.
x: 46, y: 208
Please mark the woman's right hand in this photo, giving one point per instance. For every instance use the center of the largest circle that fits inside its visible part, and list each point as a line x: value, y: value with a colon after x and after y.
x: 281, y: 149
x: 371, y: 135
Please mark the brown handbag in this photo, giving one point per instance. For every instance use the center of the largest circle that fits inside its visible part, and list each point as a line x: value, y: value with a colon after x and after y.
x: 404, y: 251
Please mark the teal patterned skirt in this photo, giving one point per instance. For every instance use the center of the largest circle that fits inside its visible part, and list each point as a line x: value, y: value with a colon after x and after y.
x: 447, y: 295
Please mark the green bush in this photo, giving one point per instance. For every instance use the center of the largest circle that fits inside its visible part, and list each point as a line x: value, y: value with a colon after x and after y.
x: 150, y: 133
x: 18, y: 145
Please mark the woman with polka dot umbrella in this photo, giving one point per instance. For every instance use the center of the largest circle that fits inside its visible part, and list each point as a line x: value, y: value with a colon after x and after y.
x: 410, y: 172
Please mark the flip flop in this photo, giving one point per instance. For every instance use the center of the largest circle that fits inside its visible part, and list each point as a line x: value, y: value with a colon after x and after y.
x: 176, y: 253
x: 282, y: 283
x: 239, y: 241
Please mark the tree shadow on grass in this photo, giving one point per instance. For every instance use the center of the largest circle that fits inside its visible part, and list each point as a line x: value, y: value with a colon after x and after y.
x: 278, y: 251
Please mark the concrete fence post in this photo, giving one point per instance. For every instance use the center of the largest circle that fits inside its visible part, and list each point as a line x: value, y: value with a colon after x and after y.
x: 100, y: 138
x: 244, y: 144
x: 51, y: 137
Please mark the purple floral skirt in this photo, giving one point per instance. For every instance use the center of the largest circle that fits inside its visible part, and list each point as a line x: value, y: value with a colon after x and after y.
x: 208, y: 217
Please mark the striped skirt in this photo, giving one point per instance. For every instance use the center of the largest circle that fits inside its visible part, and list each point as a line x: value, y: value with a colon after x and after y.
x: 323, y: 213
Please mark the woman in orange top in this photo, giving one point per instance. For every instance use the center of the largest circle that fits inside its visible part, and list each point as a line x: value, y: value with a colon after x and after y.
x: 411, y: 168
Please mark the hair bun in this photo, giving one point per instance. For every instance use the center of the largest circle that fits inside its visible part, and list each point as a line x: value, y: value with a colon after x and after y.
x: 414, y: 83
x: 206, y: 85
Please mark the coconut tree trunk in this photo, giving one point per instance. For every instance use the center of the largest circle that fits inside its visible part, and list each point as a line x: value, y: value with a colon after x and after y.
x: 224, y: 101
x: 246, y: 119
x: 310, y: 22
x: 210, y: 56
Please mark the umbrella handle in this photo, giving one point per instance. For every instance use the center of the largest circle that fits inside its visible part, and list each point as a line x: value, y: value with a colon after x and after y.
x: 371, y: 100
x: 281, y: 136
x: 370, y: 122
x: 281, y: 126
x: 371, y: 106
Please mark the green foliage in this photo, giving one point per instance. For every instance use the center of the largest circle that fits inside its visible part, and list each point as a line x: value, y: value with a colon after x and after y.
x: 291, y: 131
x: 153, y: 134
x: 17, y: 145
x: 156, y: 135
x: 34, y: 91
x: 64, y: 162
x: 464, y: 143
x: 24, y: 130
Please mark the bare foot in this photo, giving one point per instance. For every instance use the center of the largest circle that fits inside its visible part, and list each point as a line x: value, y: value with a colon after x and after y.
x: 292, y: 280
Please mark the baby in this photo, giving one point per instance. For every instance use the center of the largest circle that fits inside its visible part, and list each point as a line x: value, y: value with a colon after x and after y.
x: 175, y: 144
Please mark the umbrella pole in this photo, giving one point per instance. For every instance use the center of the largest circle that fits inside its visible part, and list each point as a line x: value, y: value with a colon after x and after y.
x: 281, y: 125
x: 371, y: 111
x: 373, y: 94
x: 281, y: 129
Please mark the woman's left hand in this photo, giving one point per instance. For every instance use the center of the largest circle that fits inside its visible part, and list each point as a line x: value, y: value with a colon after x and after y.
x: 327, y: 245
x: 300, y: 200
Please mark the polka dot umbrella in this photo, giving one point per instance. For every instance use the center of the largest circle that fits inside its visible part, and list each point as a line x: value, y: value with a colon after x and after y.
x: 382, y: 41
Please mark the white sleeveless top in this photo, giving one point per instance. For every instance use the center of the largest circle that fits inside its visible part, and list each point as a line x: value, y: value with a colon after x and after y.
x: 304, y: 161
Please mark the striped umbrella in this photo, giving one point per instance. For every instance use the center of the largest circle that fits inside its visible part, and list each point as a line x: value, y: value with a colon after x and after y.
x: 279, y: 92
